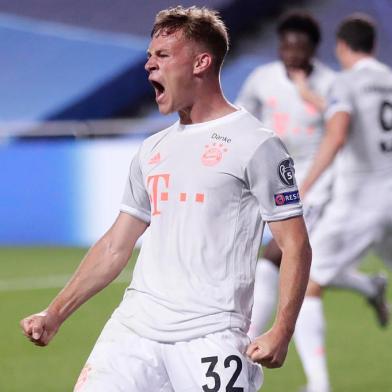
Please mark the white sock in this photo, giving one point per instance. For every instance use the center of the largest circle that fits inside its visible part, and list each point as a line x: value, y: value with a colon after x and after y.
x: 357, y: 281
x: 309, y: 339
x: 265, y: 296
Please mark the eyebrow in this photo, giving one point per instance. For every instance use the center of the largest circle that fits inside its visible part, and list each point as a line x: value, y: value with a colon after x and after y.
x: 158, y: 51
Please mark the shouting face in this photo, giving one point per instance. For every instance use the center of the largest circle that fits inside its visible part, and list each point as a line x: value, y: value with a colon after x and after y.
x: 170, y: 68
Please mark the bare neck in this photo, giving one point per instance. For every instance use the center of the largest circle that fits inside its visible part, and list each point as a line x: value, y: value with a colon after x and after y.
x: 207, y: 103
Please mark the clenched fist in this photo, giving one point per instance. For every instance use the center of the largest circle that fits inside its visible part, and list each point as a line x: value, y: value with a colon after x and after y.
x: 40, y: 328
x: 269, y: 349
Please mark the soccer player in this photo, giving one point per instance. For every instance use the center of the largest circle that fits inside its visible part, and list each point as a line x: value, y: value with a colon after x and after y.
x: 201, y: 191
x: 358, y: 140
x: 289, y: 96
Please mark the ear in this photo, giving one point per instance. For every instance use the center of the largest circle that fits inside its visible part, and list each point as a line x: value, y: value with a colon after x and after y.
x: 202, y: 62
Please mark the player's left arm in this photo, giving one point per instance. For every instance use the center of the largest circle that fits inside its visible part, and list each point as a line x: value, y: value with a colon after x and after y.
x: 337, y: 129
x: 270, y: 349
x: 300, y: 81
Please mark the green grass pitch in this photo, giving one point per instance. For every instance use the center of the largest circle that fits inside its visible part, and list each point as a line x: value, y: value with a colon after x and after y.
x: 359, y: 352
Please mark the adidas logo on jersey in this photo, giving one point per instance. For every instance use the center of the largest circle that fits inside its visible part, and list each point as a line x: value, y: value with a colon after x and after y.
x: 155, y: 159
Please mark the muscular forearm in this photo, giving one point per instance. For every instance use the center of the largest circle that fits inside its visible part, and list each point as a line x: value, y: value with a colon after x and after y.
x: 100, y: 266
x: 270, y: 349
x: 294, y: 276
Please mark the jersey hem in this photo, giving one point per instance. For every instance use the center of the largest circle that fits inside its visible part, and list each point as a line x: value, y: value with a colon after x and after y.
x: 280, y: 217
x: 338, y: 108
x: 136, y: 213
x: 211, y: 325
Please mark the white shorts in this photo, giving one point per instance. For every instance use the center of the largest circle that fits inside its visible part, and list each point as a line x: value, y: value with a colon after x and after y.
x: 358, y: 218
x: 124, y: 361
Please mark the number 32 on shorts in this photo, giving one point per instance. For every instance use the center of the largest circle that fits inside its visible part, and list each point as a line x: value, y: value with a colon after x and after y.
x: 232, y: 361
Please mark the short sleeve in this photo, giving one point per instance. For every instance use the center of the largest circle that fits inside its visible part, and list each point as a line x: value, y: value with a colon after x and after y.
x: 135, y: 199
x: 271, y: 179
x: 339, y: 98
x: 248, y: 98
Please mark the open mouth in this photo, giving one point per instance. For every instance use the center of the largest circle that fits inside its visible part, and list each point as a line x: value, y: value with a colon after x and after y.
x: 159, y: 89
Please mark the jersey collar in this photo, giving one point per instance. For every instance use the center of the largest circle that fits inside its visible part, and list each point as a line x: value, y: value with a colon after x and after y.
x: 366, y: 62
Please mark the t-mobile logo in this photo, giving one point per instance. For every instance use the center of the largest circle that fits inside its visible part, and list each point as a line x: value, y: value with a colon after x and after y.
x: 154, y: 180
x: 158, y: 185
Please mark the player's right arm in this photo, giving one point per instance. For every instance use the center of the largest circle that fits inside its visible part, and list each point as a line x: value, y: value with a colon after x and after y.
x: 101, y: 265
x: 336, y: 134
x: 338, y: 114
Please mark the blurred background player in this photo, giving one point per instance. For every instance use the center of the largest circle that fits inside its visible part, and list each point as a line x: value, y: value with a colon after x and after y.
x: 358, y: 141
x: 289, y: 96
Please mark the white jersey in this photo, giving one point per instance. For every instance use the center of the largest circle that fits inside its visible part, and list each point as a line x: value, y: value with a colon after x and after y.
x: 273, y: 98
x: 206, y: 190
x: 365, y: 91
x: 359, y: 216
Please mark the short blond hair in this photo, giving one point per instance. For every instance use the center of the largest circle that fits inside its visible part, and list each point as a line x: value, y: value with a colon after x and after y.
x: 199, y: 24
